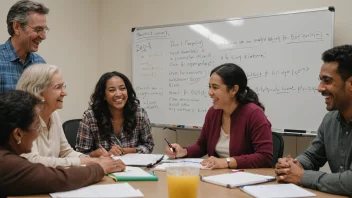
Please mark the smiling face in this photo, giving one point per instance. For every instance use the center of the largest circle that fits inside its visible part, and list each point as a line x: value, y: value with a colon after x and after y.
x: 333, y: 88
x: 29, y: 39
x: 116, y: 93
x: 54, y: 94
x: 218, y: 92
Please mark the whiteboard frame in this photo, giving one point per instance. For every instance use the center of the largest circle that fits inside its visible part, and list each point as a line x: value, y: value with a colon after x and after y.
x: 330, y: 8
x: 183, y: 127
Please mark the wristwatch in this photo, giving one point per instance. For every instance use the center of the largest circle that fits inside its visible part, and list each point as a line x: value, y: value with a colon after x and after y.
x: 228, y: 162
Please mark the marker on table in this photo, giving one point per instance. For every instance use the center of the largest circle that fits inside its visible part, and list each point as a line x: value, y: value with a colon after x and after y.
x: 172, y: 149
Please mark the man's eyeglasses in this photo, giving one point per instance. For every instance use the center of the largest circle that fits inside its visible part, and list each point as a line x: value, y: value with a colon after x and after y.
x: 39, y: 29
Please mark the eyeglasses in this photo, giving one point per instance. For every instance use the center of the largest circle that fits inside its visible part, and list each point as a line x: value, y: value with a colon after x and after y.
x: 39, y: 29
x: 60, y: 87
x: 36, y: 128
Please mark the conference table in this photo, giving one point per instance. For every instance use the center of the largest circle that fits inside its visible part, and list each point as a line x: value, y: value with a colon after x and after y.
x: 158, y: 189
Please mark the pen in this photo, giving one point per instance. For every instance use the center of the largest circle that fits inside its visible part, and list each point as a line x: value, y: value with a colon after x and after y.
x: 171, y: 148
x: 103, y: 149
x: 237, y: 170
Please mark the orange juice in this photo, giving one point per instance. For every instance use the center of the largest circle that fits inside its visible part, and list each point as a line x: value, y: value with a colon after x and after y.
x: 182, y: 186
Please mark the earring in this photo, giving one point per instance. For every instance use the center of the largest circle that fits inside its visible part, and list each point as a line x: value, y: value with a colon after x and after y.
x: 19, y: 141
x: 43, y: 99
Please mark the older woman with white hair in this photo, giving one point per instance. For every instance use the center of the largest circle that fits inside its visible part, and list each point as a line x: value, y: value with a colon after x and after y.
x: 51, y: 147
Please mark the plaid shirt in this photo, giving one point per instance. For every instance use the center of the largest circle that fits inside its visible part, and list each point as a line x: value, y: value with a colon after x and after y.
x: 89, y: 138
x: 11, y: 66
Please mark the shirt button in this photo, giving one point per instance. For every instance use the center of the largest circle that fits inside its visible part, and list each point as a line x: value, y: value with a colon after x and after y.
x: 341, y: 168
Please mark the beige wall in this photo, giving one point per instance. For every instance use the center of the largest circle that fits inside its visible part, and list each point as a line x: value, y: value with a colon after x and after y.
x: 91, y: 37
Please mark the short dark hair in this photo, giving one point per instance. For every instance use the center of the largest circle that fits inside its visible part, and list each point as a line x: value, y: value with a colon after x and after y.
x: 17, y: 110
x: 100, y: 107
x: 19, y: 12
x: 233, y: 74
x: 343, y: 56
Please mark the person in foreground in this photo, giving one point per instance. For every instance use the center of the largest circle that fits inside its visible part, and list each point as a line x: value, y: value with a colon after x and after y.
x: 51, y: 148
x: 333, y: 141
x: 236, y: 132
x: 26, y: 24
x: 19, y: 121
x: 114, y: 124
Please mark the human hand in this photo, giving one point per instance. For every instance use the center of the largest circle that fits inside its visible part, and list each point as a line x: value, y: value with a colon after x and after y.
x: 110, y: 165
x: 293, y: 174
x: 99, y: 152
x: 179, y: 151
x: 214, y: 162
x: 85, y: 159
x: 116, y: 150
x: 283, y: 165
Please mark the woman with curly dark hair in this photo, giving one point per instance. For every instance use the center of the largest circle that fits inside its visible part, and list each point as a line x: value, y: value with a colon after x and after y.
x: 114, y: 124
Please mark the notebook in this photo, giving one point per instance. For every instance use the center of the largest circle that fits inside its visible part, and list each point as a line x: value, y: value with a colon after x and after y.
x: 136, y: 159
x: 276, y: 190
x: 234, y: 180
x: 180, y: 162
x: 133, y: 174
x: 104, y: 190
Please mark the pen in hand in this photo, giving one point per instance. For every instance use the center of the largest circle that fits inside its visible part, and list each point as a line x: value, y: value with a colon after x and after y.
x: 103, y: 149
x: 171, y: 147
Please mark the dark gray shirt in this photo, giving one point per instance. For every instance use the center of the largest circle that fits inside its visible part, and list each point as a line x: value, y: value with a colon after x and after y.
x: 333, y: 143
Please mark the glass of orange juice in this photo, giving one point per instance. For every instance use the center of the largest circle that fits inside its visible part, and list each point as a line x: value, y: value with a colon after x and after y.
x: 182, y: 181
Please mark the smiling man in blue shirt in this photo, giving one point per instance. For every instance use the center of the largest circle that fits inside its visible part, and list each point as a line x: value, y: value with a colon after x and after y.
x: 26, y: 24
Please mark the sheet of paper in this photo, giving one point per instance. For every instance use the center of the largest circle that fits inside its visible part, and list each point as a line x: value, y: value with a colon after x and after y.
x: 132, y: 171
x: 161, y: 167
x: 136, y: 159
x: 277, y: 190
x: 106, y: 190
x: 183, y: 160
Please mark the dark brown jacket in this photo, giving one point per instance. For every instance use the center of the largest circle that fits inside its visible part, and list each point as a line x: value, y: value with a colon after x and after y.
x: 18, y: 176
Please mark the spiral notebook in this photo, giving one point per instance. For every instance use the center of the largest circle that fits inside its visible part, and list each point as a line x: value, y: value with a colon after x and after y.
x: 234, y: 180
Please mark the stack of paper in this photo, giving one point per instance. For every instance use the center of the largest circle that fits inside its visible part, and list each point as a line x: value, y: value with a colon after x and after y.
x: 277, y: 190
x: 234, y: 180
x: 107, y: 190
x: 136, y: 159
x: 134, y: 174
x: 181, y: 162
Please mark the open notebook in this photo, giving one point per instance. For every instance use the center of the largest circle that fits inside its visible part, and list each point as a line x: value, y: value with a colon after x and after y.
x: 234, y: 180
x: 277, y: 190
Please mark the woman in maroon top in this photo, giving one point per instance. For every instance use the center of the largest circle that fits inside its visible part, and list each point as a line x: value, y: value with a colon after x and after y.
x: 236, y: 132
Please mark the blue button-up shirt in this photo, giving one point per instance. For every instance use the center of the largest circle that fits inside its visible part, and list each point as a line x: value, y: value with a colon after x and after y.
x: 11, y: 66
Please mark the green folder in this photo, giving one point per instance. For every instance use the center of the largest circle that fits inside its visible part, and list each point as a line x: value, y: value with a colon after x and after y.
x: 133, y: 174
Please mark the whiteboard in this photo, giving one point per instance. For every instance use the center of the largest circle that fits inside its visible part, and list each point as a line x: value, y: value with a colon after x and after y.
x: 280, y: 53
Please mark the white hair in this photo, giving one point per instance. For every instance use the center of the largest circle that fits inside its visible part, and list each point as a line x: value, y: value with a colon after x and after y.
x: 36, y: 78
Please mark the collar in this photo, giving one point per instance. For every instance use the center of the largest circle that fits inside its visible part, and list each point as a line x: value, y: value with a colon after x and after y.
x: 12, y: 53
x: 341, y: 119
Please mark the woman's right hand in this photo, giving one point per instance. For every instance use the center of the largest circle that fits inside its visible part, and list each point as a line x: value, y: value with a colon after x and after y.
x: 110, y: 165
x: 99, y: 152
x: 180, y: 152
